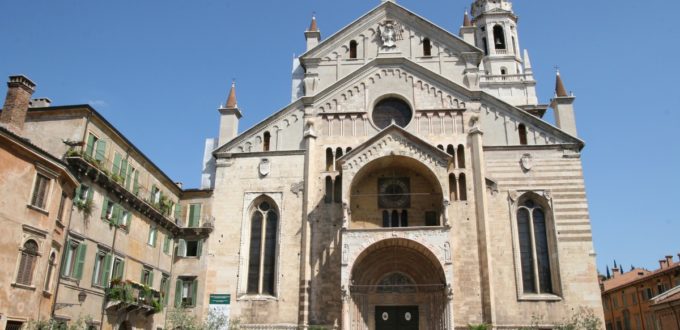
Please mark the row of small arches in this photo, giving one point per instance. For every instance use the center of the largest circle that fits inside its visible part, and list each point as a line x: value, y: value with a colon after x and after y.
x: 458, y: 154
x: 457, y: 187
x: 333, y: 189
x: 333, y: 155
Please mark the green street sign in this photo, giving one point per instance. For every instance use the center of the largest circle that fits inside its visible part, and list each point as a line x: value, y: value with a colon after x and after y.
x: 220, y: 299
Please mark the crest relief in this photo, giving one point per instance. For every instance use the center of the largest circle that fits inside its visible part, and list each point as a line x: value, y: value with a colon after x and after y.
x: 265, y: 167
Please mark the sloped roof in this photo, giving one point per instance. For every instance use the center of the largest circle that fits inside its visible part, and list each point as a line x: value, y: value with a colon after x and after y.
x: 393, y: 9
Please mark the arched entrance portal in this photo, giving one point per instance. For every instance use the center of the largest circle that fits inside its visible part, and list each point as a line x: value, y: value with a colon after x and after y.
x: 397, y: 284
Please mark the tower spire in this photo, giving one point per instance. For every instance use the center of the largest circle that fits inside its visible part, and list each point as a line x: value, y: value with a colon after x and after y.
x: 466, y: 20
x: 560, y: 91
x: 313, y: 27
x: 231, y: 100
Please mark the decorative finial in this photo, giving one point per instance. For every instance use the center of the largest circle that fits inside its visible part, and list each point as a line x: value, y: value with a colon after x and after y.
x: 466, y: 20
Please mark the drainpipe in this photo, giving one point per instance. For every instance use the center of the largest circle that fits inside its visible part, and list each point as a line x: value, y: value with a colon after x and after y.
x: 637, y: 293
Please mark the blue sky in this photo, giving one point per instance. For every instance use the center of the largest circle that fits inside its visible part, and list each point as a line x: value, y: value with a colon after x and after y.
x: 159, y: 69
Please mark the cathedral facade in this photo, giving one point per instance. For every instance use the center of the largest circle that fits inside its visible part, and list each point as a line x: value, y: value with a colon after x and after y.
x: 412, y: 183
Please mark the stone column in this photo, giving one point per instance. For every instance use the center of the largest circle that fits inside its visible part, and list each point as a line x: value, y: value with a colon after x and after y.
x: 483, y: 239
x: 345, y: 309
x: 306, y: 245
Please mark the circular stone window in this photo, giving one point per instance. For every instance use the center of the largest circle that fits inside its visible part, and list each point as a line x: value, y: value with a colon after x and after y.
x: 392, y: 110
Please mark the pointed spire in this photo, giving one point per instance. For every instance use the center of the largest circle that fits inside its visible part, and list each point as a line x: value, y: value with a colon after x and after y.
x: 231, y: 100
x: 560, y: 91
x: 609, y: 275
x: 466, y: 20
x: 527, y: 62
x: 313, y: 26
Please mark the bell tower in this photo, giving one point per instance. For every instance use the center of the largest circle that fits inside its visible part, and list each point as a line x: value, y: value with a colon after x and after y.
x: 504, y: 69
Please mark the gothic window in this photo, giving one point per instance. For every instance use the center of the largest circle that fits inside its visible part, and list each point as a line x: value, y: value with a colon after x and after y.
x: 522, y: 130
x: 262, y: 256
x: 29, y: 256
x: 353, y: 49
x: 499, y: 37
x: 461, y: 156
x: 453, y: 187
x: 534, y: 249
x: 391, y: 110
x: 266, y: 141
x: 328, y: 197
x: 427, y: 47
x: 462, y: 187
x: 337, y: 189
x: 329, y: 159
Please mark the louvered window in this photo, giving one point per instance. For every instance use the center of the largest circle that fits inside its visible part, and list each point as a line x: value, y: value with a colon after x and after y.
x: 534, y: 249
x: 262, y: 256
x: 29, y: 255
x: 42, y: 184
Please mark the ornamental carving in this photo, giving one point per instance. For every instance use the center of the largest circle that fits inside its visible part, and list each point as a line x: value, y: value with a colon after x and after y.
x: 390, y: 32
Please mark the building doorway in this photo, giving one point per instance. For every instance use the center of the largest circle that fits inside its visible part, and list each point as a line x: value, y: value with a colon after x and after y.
x: 396, y: 318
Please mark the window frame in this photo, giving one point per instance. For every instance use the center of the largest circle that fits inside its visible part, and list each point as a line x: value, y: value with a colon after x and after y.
x: 251, y: 202
x: 47, y: 191
x: 544, y: 201
x: 153, y: 236
x: 23, y: 253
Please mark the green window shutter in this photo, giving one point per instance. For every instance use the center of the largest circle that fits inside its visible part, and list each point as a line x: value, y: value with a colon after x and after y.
x: 166, y: 244
x: 90, y: 194
x: 90, y: 144
x: 106, y: 275
x: 76, y: 198
x: 105, y: 206
x: 182, y: 248
x: 115, y: 217
x: 101, y: 150
x: 94, y: 269
x: 128, y: 177
x: 123, y: 168
x: 199, y: 248
x: 121, y: 270
x: 151, y: 279
x: 194, y: 292
x: 64, y: 256
x: 116, y: 164
x: 194, y: 215
x: 178, y: 212
x: 135, y: 183
x: 178, y: 293
x: 141, y: 277
x: 80, y: 261
x: 166, y: 289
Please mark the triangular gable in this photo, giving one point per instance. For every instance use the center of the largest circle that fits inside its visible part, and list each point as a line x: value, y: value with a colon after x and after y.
x: 394, y: 141
x: 393, y: 11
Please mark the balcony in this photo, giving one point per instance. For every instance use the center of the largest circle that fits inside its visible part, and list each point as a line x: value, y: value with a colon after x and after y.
x: 128, y: 296
x: 156, y: 209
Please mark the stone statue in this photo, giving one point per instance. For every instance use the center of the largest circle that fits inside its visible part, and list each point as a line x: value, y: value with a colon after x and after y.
x: 389, y: 34
x: 445, y: 212
x: 346, y: 212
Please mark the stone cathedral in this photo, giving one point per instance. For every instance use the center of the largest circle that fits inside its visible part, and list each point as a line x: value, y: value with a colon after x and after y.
x: 412, y: 183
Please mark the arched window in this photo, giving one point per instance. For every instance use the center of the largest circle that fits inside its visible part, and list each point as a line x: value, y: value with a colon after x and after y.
x: 461, y: 156
x: 427, y: 47
x: 534, y: 250
x: 441, y: 147
x: 262, y: 256
x: 404, y: 218
x: 450, y: 150
x: 337, y: 189
x: 29, y: 255
x: 348, y: 150
x: 504, y: 72
x: 265, y: 141
x: 395, y: 219
x: 462, y: 187
x: 453, y: 187
x: 522, y: 130
x: 328, y: 197
x: 353, y: 49
x: 329, y: 159
x: 338, y: 153
x: 499, y: 37
x: 51, y: 264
